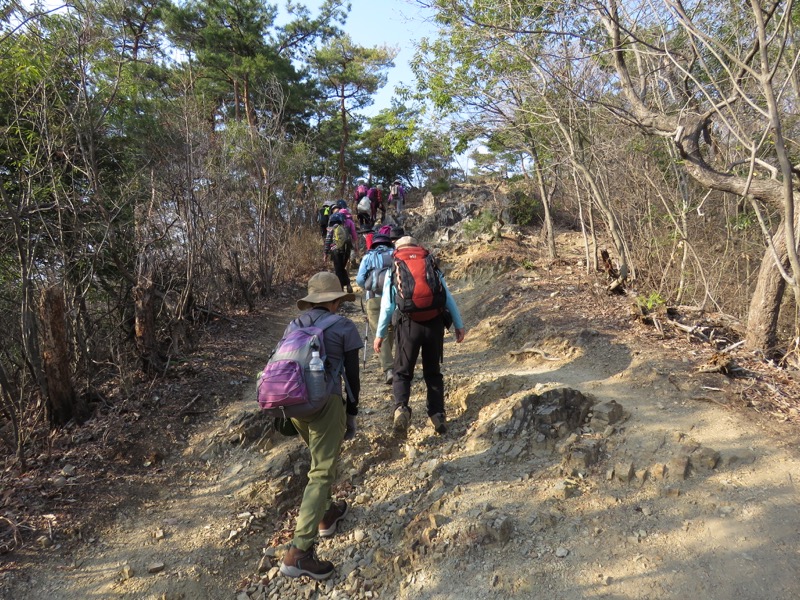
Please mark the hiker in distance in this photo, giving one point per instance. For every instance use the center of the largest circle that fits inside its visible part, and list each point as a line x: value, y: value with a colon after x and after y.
x: 324, y: 431
x: 397, y: 196
x: 375, y: 195
x: 340, y: 240
x: 377, y: 262
x: 418, y: 328
x: 323, y: 215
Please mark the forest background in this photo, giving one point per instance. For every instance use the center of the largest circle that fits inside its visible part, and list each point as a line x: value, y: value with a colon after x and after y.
x: 162, y: 162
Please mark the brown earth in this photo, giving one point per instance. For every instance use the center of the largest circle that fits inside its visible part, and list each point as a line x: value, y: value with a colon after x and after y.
x: 689, y: 494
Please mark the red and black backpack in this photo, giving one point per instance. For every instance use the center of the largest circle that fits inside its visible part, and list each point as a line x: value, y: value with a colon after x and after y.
x: 419, y: 291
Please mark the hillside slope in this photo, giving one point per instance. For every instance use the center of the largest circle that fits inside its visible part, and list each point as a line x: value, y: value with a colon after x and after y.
x: 587, y: 457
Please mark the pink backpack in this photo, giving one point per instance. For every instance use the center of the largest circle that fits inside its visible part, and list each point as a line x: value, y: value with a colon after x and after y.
x: 285, y: 387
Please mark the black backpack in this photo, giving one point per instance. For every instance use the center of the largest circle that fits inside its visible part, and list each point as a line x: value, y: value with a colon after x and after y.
x: 377, y: 274
x: 323, y: 214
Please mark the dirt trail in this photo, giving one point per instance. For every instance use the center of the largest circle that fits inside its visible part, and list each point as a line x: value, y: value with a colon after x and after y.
x: 506, y: 504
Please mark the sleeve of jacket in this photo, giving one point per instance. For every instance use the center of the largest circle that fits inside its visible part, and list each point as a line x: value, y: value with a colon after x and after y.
x: 326, y: 249
x: 353, y: 232
x: 363, y: 270
x: 387, y: 306
x: 353, y: 381
x: 458, y: 323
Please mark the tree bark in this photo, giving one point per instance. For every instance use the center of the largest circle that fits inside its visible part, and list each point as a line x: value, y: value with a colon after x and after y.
x: 63, y: 403
x: 765, y: 303
x: 343, y: 147
x: 549, y: 235
x: 145, y: 328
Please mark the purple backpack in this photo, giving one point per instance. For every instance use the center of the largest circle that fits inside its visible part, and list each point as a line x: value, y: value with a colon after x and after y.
x: 284, y: 385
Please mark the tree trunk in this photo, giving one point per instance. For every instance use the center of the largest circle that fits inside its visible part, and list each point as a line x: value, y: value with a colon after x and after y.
x: 145, y: 327
x: 12, y: 410
x: 243, y: 286
x: 765, y: 304
x: 63, y: 403
x: 343, y: 148
x: 549, y: 235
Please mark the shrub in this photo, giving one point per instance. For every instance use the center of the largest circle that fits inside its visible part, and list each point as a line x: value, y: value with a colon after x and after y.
x: 481, y: 224
x: 440, y: 186
x: 651, y: 302
x: 525, y: 209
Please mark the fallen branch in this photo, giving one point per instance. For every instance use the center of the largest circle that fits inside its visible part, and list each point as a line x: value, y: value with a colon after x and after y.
x: 733, y: 346
x: 184, y: 410
x: 690, y: 329
x: 15, y: 542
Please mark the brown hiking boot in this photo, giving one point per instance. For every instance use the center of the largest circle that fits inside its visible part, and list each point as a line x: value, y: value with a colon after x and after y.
x: 439, y: 424
x: 298, y: 562
x: 336, y: 512
x: 402, y: 418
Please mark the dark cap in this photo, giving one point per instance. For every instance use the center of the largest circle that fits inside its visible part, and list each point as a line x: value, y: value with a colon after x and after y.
x: 341, y: 204
x: 381, y: 239
x: 396, y: 233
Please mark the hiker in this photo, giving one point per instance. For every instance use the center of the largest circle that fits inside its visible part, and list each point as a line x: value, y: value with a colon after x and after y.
x: 360, y: 191
x: 348, y: 221
x: 324, y: 431
x: 397, y: 196
x: 375, y: 195
x: 416, y: 331
x: 371, y: 276
x: 364, y: 208
x: 323, y: 214
x: 338, y: 246
x: 385, y: 230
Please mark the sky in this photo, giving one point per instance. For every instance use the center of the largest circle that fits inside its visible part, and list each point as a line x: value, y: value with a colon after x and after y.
x: 398, y: 23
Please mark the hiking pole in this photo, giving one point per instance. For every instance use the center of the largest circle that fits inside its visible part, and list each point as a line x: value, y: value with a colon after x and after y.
x: 366, y: 344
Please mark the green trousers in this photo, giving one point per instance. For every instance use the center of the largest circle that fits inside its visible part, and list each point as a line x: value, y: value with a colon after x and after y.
x: 323, y: 433
x: 373, y: 314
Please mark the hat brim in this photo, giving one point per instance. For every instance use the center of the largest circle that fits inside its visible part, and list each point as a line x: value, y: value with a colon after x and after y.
x: 311, y: 299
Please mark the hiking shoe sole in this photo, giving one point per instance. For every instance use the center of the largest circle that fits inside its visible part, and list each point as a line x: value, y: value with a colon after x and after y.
x: 288, y: 571
x: 331, y: 529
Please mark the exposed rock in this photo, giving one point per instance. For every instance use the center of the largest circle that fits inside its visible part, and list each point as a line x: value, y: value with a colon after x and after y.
x: 742, y: 457
x: 430, y: 204
x: 553, y: 414
x: 156, y: 567
x: 607, y: 413
x: 565, y: 489
x: 624, y: 472
x: 678, y: 467
x: 249, y: 427
x: 583, y: 454
x: 704, y: 460
x: 658, y: 471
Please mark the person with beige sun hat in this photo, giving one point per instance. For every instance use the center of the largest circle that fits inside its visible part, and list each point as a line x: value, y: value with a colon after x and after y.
x: 324, y: 431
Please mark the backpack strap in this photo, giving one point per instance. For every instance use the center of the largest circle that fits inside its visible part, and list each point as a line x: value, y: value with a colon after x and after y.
x: 384, y: 255
x: 318, y: 322
x: 338, y: 372
x: 332, y: 319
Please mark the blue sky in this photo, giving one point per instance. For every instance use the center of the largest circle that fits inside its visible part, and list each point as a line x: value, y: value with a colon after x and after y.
x: 398, y: 23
